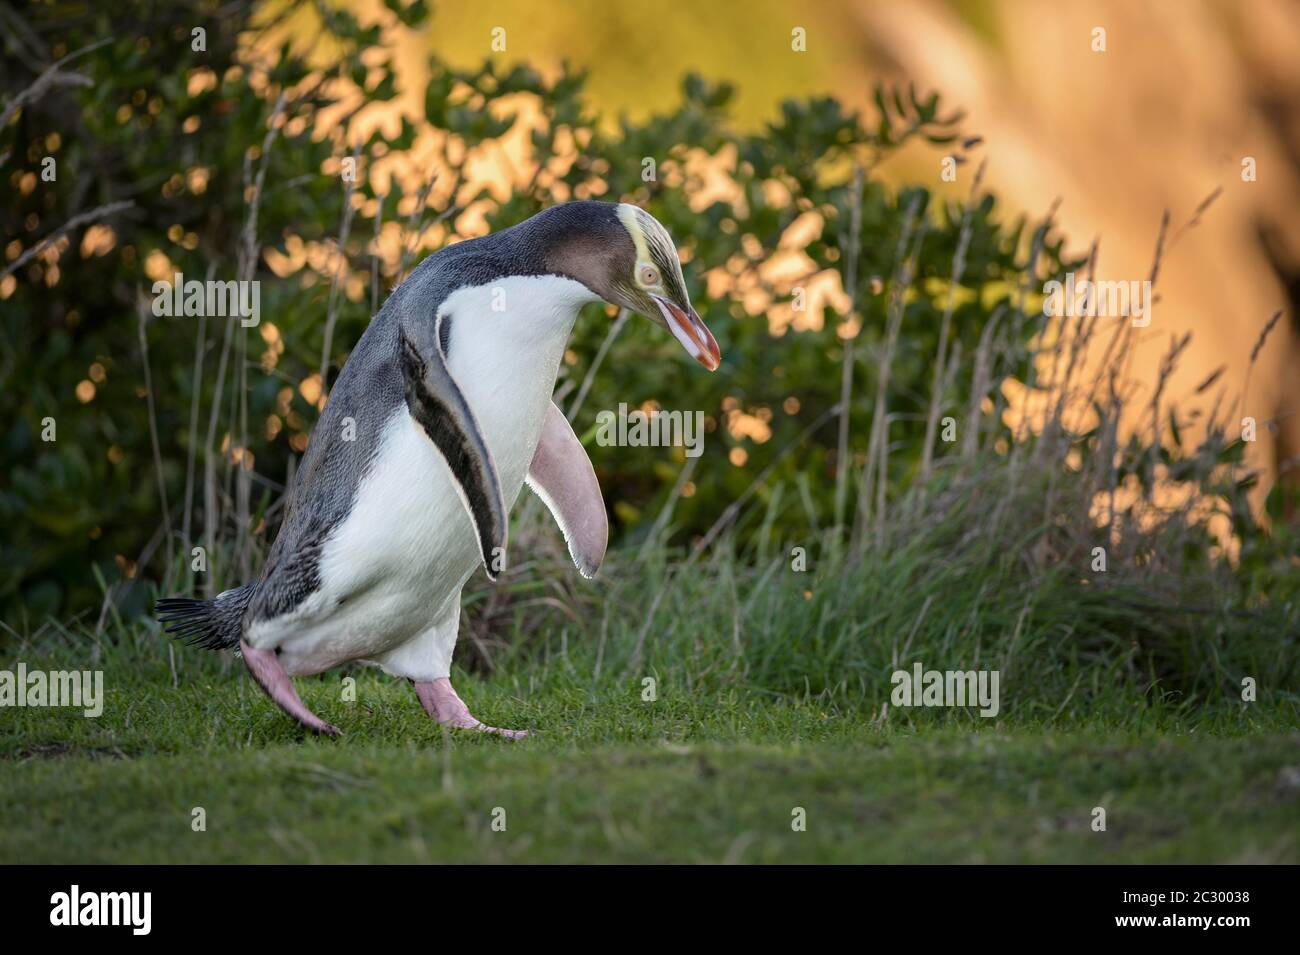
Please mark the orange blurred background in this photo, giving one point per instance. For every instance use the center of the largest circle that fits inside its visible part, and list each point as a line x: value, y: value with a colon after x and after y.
x: 1184, y: 95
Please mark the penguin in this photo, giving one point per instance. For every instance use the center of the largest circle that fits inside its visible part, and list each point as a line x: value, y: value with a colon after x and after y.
x: 439, y: 417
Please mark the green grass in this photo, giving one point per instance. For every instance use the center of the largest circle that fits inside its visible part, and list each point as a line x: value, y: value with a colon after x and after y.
x: 699, y: 775
x: 1120, y: 690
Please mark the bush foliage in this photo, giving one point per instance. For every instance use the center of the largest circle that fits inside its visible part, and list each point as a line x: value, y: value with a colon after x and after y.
x: 179, y: 133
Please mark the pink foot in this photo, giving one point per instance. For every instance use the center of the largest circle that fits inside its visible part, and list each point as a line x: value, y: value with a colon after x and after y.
x: 266, y: 670
x: 444, y: 704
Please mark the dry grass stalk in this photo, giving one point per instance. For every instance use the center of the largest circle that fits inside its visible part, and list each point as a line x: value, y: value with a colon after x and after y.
x: 940, y: 379
x: 842, y: 467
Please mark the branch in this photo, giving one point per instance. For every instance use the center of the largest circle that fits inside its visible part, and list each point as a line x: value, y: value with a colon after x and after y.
x: 53, y: 76
x: 74, y: 222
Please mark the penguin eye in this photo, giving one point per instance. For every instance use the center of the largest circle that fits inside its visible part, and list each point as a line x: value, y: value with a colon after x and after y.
x: 649, y: 275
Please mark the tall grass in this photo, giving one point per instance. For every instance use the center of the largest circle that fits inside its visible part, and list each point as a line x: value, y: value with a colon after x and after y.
x: 1097, y: 558
x: 988, y: 554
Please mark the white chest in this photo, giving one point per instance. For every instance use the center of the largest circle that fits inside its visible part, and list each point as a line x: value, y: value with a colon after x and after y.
x: 408, y: 545
x: 504, y: 350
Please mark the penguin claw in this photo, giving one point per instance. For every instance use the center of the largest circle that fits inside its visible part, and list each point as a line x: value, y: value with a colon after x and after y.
x: 441, y: 701
x: 508, y: 734
x: 265, y: 668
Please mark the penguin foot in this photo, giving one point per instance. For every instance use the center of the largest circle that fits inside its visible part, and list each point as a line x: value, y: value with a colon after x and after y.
x: 443, y: 703
x: 265, y: 667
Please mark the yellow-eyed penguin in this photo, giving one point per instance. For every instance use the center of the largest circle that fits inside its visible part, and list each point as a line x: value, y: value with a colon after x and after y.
x: 437, y: 419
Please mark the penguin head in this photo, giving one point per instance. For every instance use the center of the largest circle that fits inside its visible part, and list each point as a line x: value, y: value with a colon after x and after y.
x: 655, y: 287
x: 627, y: 258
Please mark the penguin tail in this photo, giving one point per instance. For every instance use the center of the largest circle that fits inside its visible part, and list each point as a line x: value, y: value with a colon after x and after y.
x: 213, y: 624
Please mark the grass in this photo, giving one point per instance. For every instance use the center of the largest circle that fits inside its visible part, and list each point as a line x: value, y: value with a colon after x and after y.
x: 1125, y: 589
x: 1121, y: 688
x: 707, y: 772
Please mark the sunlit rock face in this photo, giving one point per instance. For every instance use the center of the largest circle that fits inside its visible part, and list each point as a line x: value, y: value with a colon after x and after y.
x: 1172, y: 109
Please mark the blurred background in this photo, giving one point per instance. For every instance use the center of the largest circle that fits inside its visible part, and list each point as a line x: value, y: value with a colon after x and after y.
x: 1183, y: 92
x: 769, y: 124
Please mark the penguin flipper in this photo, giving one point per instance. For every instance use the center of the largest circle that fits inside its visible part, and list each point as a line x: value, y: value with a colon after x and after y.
x: 438, y: 405
x: 562, y: 476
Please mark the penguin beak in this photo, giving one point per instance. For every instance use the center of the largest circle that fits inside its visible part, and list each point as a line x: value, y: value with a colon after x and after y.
x: 688, y: 329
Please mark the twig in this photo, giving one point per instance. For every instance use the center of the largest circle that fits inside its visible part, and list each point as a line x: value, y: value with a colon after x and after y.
x: 1254, y: 355
x: 340, y: 268
x: 248, y: 235
x: 666, y: 513
x: 421, y: 198
x: 846, y: 368
x: 77, y: 220
x: 980, y: 383
x: 374, y: 257
x: 877, y: 443
x: 53, y: 76
x: 249, y: 251
x: 623, y: 316
x: 142, y: 312
x: 200, y: 345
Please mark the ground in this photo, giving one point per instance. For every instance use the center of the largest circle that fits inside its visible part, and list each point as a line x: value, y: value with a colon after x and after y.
x: 702, y: 776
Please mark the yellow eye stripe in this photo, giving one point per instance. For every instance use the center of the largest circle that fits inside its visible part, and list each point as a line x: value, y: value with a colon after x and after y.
x: 628, y: 215
x: 653, y: 245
